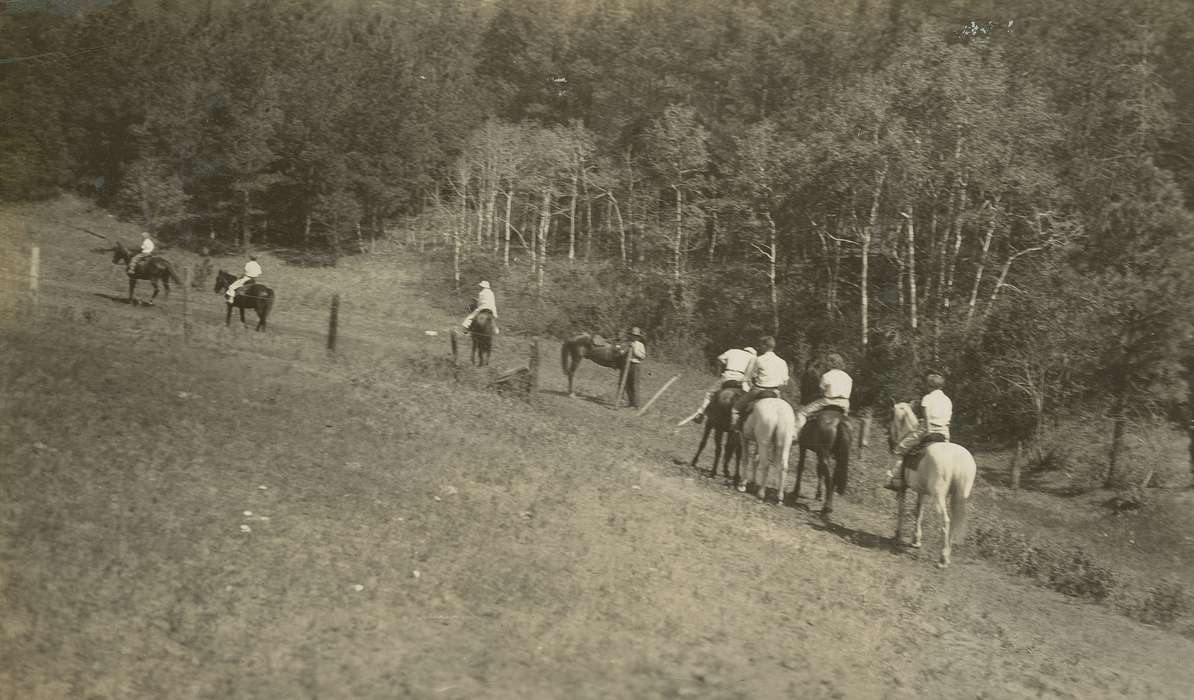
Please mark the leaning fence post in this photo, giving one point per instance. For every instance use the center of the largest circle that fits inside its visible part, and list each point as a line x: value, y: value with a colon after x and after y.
x: 333, y: 321
x: 1017, y: 460
x: 659, y: 393
x: 622, y: 381
x: 533, y: 366
x: 186, y: 305
x: 34, y: 272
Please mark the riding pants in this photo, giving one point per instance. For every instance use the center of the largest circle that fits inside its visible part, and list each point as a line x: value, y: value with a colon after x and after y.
x: 237, y: 285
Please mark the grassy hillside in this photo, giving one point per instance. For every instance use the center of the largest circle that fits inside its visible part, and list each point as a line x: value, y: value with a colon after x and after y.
x: 239, y: 515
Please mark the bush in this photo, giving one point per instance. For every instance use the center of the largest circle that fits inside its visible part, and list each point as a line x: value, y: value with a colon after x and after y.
x: 1076, y: 574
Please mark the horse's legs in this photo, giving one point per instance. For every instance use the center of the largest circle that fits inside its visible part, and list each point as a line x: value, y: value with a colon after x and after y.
x: 899, y: 495
x: 785, y: 454
x: 766, y: 462
x: 917, y: 538
x: 243, y: 322
x: 132, y: 286
x: 749, y: 448
x: 799, y: 472
x: 943, y: 513
x: 701, y: 447
x: 823, y: 468
x: 718, y: 448
x: 228, y: 316
x: 155, y: 291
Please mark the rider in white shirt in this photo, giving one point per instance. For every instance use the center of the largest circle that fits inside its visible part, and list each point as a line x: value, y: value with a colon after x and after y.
x: 485, y: 300
x: 147, y: 247
x: 836, y: 386
x: 935, y: 411
x: 252, y: 272
x: 736, y: 366
x: 768, y: 375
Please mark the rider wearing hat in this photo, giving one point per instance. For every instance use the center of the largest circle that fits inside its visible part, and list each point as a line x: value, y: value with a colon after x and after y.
x: 485, y: 300
x: 637, y: 353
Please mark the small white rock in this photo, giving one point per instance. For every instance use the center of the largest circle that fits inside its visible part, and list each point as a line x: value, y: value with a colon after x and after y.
x: 450, y: 490
x: 263, y: 487
x: 438, y: 498
x: 358, y: 588
x: 248, y: 513
x: 245, y: 528
x: 39, y: 445
x: 416, y: 573
x: 636, y: 487
x: 431, y: 332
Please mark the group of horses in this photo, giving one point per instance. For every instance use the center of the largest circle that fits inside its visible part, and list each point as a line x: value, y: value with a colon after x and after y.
x: 158, y: 271
x: 944, y: 471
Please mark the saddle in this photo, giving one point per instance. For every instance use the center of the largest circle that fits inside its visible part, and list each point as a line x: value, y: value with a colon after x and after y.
x: 912, y: 459
x: 598, y: 341
x: 732, y: 384
x: 834, y: 409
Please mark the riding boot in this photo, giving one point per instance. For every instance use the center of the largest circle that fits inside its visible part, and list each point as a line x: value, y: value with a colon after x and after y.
x: 895, y: 482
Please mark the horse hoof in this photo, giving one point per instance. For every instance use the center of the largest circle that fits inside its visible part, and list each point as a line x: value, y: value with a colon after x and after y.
x: 741, y: 489
x: 915, y: 545
x: 942, y: 564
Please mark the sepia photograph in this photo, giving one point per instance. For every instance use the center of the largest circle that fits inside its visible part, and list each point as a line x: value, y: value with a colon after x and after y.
x: 571, y: 349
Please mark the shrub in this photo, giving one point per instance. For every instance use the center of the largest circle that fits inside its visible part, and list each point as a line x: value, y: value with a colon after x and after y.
x: 1075, y: 573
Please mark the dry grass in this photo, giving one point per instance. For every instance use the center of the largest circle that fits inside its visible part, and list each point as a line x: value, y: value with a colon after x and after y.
x: 561, y: 549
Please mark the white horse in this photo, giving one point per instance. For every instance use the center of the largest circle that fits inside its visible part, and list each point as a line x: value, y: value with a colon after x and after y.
x: 944, y: 469
x: 771, y: 425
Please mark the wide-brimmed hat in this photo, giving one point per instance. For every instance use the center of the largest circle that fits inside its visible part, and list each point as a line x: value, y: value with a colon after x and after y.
x: 635, y: 332
x: 484, y: 284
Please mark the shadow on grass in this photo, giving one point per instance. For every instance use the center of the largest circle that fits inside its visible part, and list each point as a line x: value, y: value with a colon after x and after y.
x: 591, y: 399
x: 858, y: 538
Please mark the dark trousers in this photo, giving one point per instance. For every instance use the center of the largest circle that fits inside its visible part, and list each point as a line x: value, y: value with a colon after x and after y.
x: 744, y: 402
x: 632, y: 384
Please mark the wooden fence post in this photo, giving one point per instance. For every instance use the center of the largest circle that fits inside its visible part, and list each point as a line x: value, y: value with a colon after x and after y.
x: 622, y: 381
x: 1017, y: 462
x: 34, y: 272
x: 186, y: 305
x: 333, y: 322
x: 864, y: 430
x: 533, y: 366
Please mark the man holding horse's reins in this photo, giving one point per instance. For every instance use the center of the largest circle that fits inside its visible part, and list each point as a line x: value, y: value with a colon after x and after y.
x: 836, y: 386
x: 736, y: 365
x: 485, y: 300
x: 768, y: 375
x: 252, y: 272
x: 935, y: 411
x: 147, y: 247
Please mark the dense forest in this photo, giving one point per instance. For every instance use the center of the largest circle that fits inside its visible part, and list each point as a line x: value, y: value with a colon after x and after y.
x: 994, y: 189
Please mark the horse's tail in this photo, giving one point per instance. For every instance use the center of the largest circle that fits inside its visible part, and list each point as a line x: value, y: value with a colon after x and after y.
x: 957, y: 511
x: 841, y: 457
x: 267, y: 305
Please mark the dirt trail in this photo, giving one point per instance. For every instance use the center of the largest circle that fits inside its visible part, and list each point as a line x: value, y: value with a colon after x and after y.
x: 561, y: 551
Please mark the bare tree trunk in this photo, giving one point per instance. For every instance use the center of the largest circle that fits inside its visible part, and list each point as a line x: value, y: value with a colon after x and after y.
x: 588, y: 220
x: 1002, y: 279
x: 867, y: 236
x: 678, y: 239
x: 490, y: 219
x: 978, y: 273
x: 913, y: 315
x: 772, y: 250
x: 572, y: 219
x: 713, y: 236
x: 1117, y: 438
x: 246, y: 234
x: 952, y: 266
x: 509, y: 207
x: 544, y: 228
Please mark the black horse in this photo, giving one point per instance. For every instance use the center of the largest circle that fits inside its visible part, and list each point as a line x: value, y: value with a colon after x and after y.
x: 153, y: 268
x: 253, y: 295
x: 481, y: 332
x: 581, y: 346
x: 718, y: 421
x: 827, y: 433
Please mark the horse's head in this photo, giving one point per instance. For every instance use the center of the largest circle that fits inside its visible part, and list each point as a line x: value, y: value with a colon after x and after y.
x: 903, y: 423
x: 119, y: 254
x: 223, y: 281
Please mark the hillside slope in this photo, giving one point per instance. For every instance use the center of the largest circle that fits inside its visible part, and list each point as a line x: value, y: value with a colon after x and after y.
x: 241, y: 517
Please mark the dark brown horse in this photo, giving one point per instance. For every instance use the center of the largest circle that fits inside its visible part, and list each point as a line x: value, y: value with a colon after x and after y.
x: 153, y: 268
x: 583, y: 346
x: 827, y: 434
x: 253, y: 295
x: 718, y: 422
x: 481, y: 332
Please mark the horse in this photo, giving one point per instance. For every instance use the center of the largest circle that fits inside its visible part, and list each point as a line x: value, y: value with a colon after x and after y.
x: 481, y: 331
x: 945, y: 469
x: 827, y: 433
x: 153, y: 268
x: 718, y: 421
x: 771, y: 425
x: 583, y: 346
x: 256, y: 296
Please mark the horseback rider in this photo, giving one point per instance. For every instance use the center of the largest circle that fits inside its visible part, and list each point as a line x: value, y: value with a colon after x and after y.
x: 637, y: 353
x: 485, y: 300
x: 252, y: 272
x: 835, y: 385
x: 736, y: 365
x: 147, y: 247
x: 935, y: 411
x: 768, y: 375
